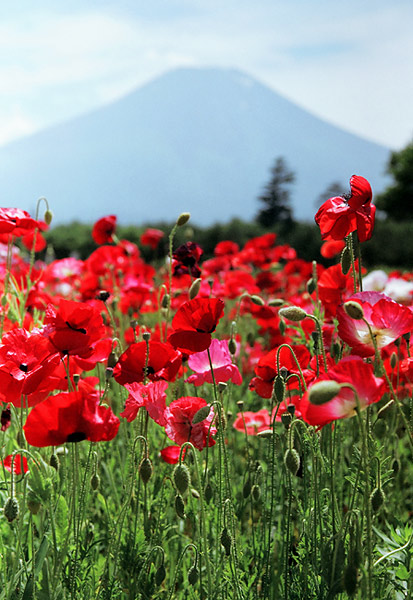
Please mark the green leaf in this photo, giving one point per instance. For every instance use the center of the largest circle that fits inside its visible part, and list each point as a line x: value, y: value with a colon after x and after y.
x: 61, y: 520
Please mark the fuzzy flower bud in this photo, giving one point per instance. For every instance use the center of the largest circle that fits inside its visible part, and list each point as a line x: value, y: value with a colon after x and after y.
x: 292, y: 313
x: 194, y: 289
x: 323, y: 391
x: 353, y: 309
x: 182, y: 478
x: 292, y: 460
x: 145, y: 470
x: 183, y: 218
x: 11, y: 509
x: 377, y: 499
x: 193, y: 575
x: 180, y: 506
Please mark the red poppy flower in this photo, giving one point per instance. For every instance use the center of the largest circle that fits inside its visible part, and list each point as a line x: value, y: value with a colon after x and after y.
x: 170, y: 454
x: 19, y: 464
x: 74, y: 327
x: 152, y: 396
x: 26, y: 364
x: 70, y: 417
x: 339, y: 216
x: 151, y: 238
x: 266, y: 369
x: 179, y: 427
x: 387, y: 319
x: 331, y: 248
x: 163, y: 363
x: 193, y: 324
x: 5, y: 418
x: 186, y: 259
x: 34, y: 239
x: 226, y: 247
x: 254, y: 421
x: 355, y: 371
x: 16, y: 221
x: 104, y: 229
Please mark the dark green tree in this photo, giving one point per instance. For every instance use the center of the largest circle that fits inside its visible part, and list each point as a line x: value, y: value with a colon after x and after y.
x: 397, y: 200
x: 276, y: 196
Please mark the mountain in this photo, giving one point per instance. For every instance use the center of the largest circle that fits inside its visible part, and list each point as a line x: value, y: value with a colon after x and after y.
x: 197, y: 140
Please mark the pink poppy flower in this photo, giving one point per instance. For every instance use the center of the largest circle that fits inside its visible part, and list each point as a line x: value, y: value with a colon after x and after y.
x: 224, y: 369
x: 152, y: 396
x: 180, y: 428
x: 387, y: 319
x: 355, y: 371
x: 254, y: 421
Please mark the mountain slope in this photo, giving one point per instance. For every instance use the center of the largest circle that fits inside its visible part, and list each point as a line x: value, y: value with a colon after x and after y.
x: 197, y: 140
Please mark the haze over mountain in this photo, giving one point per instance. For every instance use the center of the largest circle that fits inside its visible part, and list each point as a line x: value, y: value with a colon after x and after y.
x: 197, y: 140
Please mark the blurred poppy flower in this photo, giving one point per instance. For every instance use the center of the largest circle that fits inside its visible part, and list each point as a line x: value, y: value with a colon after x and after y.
x: 186, y: 259
x: 151, y: 238
x: 163, y: 362
x: 331, y: 248
x: 193, y: 324
x: 34, y: 240
x: 16, y: 221
x: 226, y: 247
x: 252, y: 422
x: 103, y: 230
x: 340, y: 216
x: 224, y: 369
x: 19, y: 464
x: 355, y: 371
x: 170, y: 454
x: 70, y: 417
x: 5, y: 418
x: 180, y: 428
x: 74, y: 327
x: 387, y: 319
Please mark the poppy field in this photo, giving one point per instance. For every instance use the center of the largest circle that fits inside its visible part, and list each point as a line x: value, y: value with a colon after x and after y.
x: 239, y: 426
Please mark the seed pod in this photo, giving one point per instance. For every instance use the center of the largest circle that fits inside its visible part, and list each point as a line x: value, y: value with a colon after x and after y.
x: 286, y: 419
x: 208, y: 492
x: 201, y: 414
x: 292, y: 460
x: 180, y: 506
x: 160, y: 575
x: 145, y: 470
x: 226, y: 541
x: 182, y: 478
x: 256, y: 492
x: 311, y: 285
x: 377, y: 499
x: 11, y: 509
x: 54, y: 461
x: 193, y: 575
x: 345, y: 261
x: 103, y: 295
x: 232, y: 346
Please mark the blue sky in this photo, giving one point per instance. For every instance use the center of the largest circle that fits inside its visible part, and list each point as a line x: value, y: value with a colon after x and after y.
x: 348, y: 62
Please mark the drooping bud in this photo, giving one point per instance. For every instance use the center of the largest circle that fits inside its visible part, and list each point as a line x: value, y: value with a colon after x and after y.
x: 145, y: 469
x: 201, y: 414
x: 54, y: 461
x: 246, y: 490
x: 276, y: 302
x: 194, y: 289
x: 377, y: 499
x: 208, y: 493
x: 226, y: 540
x: 311, y: 286
x: 11, y: 509
x: 193, y: 575
x: 279, y: 388
x: 345, y: 261
x: 350, y: 579
x: 165, y: 301
x: 48, y: 217
x: 256, y: 492
x: 353, y: 309
x: 323, y: 391
x: 183, y: 218
x: 182, y: 478
x: 32, y: 502
x: 393, y: 360
x: 232, y: 346
x: 292, y: 460
x: 180, y: 506
x: 257, y: 300
x: 95, y: 481
x: 292, y: 313
x: 160, y: 575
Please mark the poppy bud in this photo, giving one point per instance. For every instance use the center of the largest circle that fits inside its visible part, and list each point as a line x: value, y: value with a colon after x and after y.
x: 194, y: 289
x: 226, y: 541
x: 54, y: 461
x: 48, y: 216
x: 232, y: 346
x: 292, y: 460
x: 353, y: 309
x: 377, y: 499
x: 266, y: 433
x: 103, y: 295
x: 393, y: 360
x: 345, y: 261
x: 286, y: 419
x: 208, y: 492
x: 201, y: 414
x: 180, y: 506
x: 11, y: 509
x: 246, y: 490
x: 350, y: 579
x: 94, y: 481
x: 291, y: 409
x: 257, y: 300
x: 193, y: 575
x: 311, y: 285
x: 165, y: 301
x: 292, y: 313
x: 279, y: 388
x: 275, y: 302
x: 145, y: 470
x: 323, y: 391
x: 160, y: 574
x: 183, y: 218
x: 182, y: 478
x: 146, y: 336
x: 3, y: 300
x: 256, y: 492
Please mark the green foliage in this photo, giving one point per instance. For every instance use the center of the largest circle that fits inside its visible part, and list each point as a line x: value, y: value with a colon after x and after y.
x: 397, y: 200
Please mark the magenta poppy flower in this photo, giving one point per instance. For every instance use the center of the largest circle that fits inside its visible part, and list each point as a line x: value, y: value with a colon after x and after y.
x: 339, y: 216
x: 180, y: 428
x: 152, y: 396
x: 355, y: 371
x: 387, y: 319
x: 224, y: 369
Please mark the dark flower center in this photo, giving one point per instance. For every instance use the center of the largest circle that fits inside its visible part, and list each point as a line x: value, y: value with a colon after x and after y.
x: 23, y: 367
x: 78, y: 329
x: 77, y: 436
